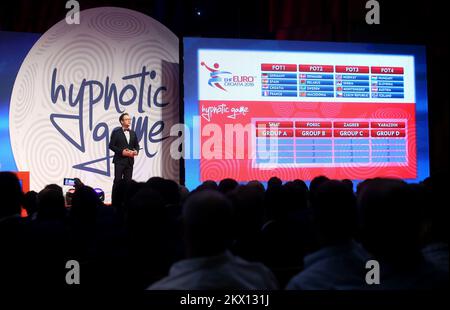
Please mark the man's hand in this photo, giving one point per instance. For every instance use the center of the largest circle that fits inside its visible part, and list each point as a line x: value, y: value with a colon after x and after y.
x: 127, y: 153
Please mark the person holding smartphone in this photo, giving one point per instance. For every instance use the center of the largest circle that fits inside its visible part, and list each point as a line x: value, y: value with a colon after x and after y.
x: 125, y: 145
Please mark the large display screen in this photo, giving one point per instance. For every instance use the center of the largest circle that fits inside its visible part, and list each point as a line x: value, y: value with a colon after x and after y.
x: 295, y: 110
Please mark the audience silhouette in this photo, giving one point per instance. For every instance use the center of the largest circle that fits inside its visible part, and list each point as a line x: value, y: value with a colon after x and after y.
x: 227, y: 235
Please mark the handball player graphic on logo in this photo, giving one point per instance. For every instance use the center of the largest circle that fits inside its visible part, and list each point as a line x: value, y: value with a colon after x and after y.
x: 215, y: 79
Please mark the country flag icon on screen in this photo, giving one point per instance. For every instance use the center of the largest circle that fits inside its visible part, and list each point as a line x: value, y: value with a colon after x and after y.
x: 339, y: 88
x: 265, y: 86
x: 338, y: 76
x: 302, y: 94
x: 264, y: 81
x: 338, y: 82
x: 265, y: 93
x: 339, y: 94
x: 302, y: 81
x: 302, y: 76
x: 264, y: 75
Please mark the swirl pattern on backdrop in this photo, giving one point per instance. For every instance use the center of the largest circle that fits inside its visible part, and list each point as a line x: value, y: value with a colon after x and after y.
x: 24, y: 95
x: 119, y: 25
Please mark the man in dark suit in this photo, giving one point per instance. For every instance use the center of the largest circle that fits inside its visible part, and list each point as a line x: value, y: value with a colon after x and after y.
x: 125, y: 145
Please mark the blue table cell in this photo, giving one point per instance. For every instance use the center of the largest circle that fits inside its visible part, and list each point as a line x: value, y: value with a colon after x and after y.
x: 280, y: 75
x: 317, y: 88
x: 314, y: 154
x: 304, y: 141
x: 279, y: 87
x: 379, y: 141
x: 351, y: 153
x: 274, y: 154
x: 323, y: 154
x: 283, y: 147
x: 267, y: 148
x: 387, y: 77
x: 397, y: 147
x: 305, y: 154
x: 323, y: 147
x: 388, y: 147
x: 308, y: 160
x: 323, y: 160
x: 343, y: 153
x: 278, y: 93
x: 380, y: 153
x: 274, y: 141
x: 351, y: 159
x: 285, y: 154
x: 319, y: 76
x: 286, y: 160
x: 381, y: 147
x: 388, y: 83
x: 343, y: 159
x: 380, y: 159
x: 281, y: 81
x: 351, y: 141
x: 362, y: 147
x: 397, y: 159
x: 388, y: 153
x: 361, y: 160
x: 354, y: 83
x: 397, y: 141
x: 319, y: 94
x: 355, y: 95
x: 323, y: 141
x: 397, y: 153
x: 313, y: 147
x: 388, y: 95
x: 354, y: 77
x: 304, y: 147
x: 360, y: 141
x: 356, y: 88
x: 391, y: 89
x: 318, y: 82
x: 342, y: 141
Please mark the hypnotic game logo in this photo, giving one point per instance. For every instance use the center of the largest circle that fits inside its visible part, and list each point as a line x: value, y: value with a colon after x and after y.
x: 74, y: 84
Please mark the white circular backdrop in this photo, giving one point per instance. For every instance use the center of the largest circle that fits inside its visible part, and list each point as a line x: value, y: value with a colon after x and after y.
x: 108, y: 42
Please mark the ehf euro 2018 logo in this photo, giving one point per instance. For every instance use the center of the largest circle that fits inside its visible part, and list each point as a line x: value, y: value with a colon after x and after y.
x: 221, y: 79
x: 215, y: 75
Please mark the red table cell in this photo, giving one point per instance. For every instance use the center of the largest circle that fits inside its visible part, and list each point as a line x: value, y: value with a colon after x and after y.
x: 313, y: 124
x: 315, y: 68
x: 351, y: 124
x: 275, y: 133
x: 315, y: 133
x: 377, y: 133
x: 387, y: 124
x: 279, y: 67
x: 271, y: 124
x: 352, y: 69
x: 350, y: 133
x: 387, y: 70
